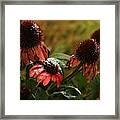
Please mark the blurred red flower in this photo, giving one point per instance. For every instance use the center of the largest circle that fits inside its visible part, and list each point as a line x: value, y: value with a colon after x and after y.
x: 46, y: 72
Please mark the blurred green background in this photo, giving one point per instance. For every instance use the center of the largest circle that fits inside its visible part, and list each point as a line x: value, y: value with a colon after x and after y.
x: 62, y: 36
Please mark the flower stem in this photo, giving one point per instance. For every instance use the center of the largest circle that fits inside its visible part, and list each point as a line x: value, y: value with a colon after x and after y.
x: 52, y: 85
x: 71, y: 75
x: 36, y: 92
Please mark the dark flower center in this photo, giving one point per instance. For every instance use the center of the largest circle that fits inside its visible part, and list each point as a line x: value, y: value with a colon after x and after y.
x: 50, y: 67
x: 96, y: 36
x: 30, y: 34
x: 87, y: 51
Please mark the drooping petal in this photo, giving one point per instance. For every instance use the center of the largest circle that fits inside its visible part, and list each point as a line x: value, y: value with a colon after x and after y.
x: 53, y: 78
x: 58, y: 82
x: 86, y: 70
x: 45, y: 50
x: 31, y: 73
x: 94, y: 71
x: 39, y: 81
x: 73, y: 61
x: 36, y: 70
x: 37, y: 66
x: 41, y: 77
x: 47, y: 80
x: 39, y: 53
x: 31, y: 54
x: 24, y: 56
x: 44, y: 77
x: 57, y: 78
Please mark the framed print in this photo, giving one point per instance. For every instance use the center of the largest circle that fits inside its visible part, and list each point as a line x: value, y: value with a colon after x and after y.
x: 60, y: 60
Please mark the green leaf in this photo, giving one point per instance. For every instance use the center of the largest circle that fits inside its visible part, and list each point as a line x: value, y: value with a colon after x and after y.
x: 61, y: 56
x: 95, y: 88
x: 71, y: 88
x: 31, y: 82
x: 67, y: 92
x: 57, y: 96
x: 64, y: 94
x: 80, y: 82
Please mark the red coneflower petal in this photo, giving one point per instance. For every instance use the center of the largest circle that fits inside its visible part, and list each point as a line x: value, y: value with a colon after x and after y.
x: 44, y: 77
x: 35, y: 70
x: 73, y: 61
x: 57, y: 78
x: 94, y: 71
x: 31, y: 54
x: 39, y: 53
x: 24, y: 56
x: 60, y: 76
x: 36, y: 66
x: 88, y: 71
x: 44, y: 50
x: 44, y: 46
x: 47, y: 80
x: 39, y: 81
x: 53, y: 78
x: 41, y: 77
x: 84, y: 68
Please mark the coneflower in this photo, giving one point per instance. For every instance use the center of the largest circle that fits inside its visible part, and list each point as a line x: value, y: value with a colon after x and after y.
x: 48, y: 71
x: 87, y: 51
x: 32, y: 47
x: 86, y: 54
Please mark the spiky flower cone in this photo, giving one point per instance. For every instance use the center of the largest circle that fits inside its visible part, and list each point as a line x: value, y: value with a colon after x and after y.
x: 87, y: 52
x: 32, y: 45
x: 30, y: 34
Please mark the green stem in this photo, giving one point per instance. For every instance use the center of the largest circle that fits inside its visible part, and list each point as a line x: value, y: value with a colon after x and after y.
x: 36, y: 92
x: 51, y: 85
x: 71, y: 75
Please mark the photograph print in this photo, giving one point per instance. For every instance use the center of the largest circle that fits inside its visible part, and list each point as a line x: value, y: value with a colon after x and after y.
x: 59, y: 59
